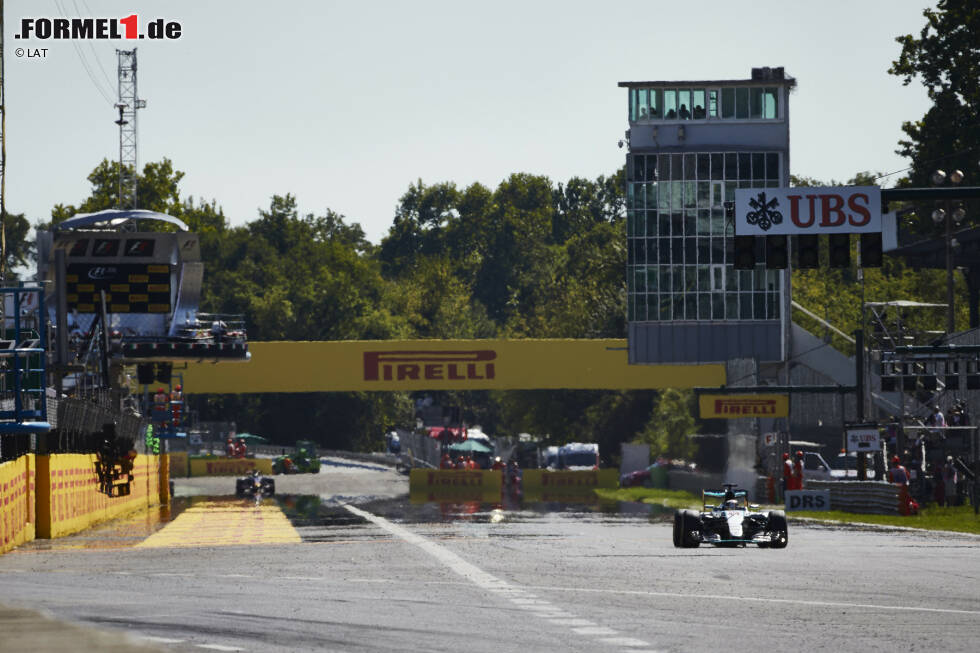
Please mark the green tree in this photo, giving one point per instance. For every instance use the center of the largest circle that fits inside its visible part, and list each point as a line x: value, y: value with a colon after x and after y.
x: 946, y: 57
x: 669, y: 429
x: 19, y: 246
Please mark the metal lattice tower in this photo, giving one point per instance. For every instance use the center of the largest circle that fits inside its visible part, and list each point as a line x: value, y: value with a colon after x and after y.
x: 127, y: 106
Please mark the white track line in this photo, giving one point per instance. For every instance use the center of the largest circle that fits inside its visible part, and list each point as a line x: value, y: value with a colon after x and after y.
x: 758, y: 599
x: 517, y: 596
x: 721, y: 597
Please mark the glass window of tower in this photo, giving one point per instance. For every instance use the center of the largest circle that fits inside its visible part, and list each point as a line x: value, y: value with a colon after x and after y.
x: 679, y: 253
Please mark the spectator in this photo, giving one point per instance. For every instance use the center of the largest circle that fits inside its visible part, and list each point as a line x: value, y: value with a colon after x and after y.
x: 937, y: 419
x: 684, y: 113
x: 950, y: 479
x: 446, y: 462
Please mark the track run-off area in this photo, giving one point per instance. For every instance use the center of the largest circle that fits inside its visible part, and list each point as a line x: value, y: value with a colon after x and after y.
x: 342, y: 561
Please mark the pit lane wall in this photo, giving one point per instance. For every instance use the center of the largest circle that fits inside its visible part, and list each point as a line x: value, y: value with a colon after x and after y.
x: 68, y: 499
x: 17, y: 492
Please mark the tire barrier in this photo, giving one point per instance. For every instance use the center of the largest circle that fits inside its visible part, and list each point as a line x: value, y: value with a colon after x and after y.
x: 69, y: 499
x: 17, y: 520
x: 867, y: 497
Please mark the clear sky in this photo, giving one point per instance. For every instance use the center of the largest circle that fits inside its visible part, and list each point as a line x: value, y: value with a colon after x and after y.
x: 344, y: 104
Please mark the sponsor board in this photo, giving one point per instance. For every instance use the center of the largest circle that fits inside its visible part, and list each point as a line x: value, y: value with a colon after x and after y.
x: 807, y: 500
x: 807, y: 210
x: 866, y: 439
x: 734, y: 406
x: 17, y: 500
x: 229, y: 466
x: 68, y: 496
x: 437, y: 485
x: 443, y: 365
x: 546, y: 485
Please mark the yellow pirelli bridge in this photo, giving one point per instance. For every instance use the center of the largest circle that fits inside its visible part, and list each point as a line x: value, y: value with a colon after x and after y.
x: 383, y: 365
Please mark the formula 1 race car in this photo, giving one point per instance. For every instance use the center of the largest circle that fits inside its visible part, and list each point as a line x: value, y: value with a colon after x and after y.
x: 255, y: 485
x: 729, y: 520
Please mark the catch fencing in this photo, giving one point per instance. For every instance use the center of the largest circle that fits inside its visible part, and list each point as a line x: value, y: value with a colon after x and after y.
x: 419, y: 450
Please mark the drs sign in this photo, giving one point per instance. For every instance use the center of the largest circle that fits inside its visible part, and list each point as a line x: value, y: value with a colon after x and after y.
x: 807, y: 500
x: 807, y: 210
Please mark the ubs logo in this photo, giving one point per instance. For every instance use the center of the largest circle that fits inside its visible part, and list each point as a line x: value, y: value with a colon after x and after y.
x: 101, y: 273
x: 429, y: 365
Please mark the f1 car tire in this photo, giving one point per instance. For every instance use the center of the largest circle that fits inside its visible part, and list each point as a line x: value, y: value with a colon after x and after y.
x: 239, y: 488
x: 690, y: 521
x: 678, y: 528
x: 269, y: 486
x: 777, y: 524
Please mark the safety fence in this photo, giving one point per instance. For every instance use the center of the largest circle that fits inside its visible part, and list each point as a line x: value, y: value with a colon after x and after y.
x: 869, y: 497
x: 419, y: 450
x: 78, y: 420
x: 60, y: 494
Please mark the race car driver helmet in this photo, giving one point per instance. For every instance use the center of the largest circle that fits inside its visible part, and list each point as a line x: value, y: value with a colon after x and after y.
x: 785, y: 456
x: 731, y: 504
x: 799, y: 455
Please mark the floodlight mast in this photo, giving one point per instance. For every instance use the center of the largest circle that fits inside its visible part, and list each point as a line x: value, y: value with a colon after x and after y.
x: 127, y: 105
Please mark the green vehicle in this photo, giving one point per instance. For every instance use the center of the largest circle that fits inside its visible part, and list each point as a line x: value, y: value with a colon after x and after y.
x: 303, y: 460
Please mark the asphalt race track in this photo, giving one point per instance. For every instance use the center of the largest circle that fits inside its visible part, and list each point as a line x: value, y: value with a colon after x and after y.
x: 355, y: 567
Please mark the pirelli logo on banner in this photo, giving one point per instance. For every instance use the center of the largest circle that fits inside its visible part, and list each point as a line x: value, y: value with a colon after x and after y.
x: 734, y: 406
x: 473, y: 365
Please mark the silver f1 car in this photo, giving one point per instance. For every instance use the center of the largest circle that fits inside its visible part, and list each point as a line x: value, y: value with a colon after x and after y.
x: 729, y: 520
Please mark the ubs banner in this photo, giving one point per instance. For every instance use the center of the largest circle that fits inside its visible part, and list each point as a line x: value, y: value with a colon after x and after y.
x: 442, y: 365
x: 807, y: 210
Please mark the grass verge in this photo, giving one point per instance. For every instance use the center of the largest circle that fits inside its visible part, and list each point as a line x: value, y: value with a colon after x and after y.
x: 960, y: 519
